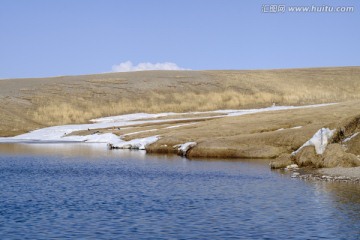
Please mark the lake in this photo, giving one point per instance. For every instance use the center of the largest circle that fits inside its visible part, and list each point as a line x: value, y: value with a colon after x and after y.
x: 84, y: 191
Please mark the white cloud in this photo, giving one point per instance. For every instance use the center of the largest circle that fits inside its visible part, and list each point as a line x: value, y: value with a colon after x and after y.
x: 145, y: 66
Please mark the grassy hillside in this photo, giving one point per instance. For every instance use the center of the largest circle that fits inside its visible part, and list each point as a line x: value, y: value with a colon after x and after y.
x: 27, y: 104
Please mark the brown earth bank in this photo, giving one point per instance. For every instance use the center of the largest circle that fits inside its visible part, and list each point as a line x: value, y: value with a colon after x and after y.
x: 273, y: 135
x: 28, y: 104
x: 268, y: 135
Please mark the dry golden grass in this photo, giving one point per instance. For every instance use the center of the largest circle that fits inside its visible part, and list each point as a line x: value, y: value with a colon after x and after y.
x: 76, y: 110
x: 257, y: 135
x: 250, y: 136
x: 77, y: 99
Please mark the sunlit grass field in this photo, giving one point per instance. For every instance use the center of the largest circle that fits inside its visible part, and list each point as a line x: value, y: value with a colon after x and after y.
x: 77, y: 99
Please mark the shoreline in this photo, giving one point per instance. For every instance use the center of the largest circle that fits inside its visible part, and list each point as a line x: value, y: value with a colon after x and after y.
x: 336, y: 174
x: 286, y: 134
x: 352, y: 173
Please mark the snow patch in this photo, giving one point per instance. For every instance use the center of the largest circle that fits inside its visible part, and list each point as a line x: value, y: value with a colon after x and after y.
x: 320, y: 140
x: 272, y: 108
x: 297, y: 127
x: 184, y: 148
x: 140, y: 143
x: 351, y: 137
x: 101, y: 138
x: 292, y: 167
x: 131, y: 117
x: 61, y: 133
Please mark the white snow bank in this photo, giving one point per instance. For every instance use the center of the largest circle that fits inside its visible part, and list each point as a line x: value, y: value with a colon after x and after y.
x: 140, y: 143
x: 320, y: 140
x: 61, y: 133
x: 228, y: 112
x: 184, y: 148
x: 297, y: 127
x: 351, y: 137
x: 104, y: 138
x: 272, y: 108
x: 131, y: 117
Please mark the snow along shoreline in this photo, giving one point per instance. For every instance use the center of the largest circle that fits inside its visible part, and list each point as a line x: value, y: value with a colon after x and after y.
x: 61, y: 133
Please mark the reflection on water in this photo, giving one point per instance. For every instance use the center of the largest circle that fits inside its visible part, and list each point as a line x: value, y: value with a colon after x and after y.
x: 344, y: 192
x: 86, y: 191
x: 92, y: 150
x: 345, y: 198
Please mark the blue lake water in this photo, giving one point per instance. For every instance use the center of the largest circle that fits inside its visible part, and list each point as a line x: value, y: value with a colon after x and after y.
x: 83, y: 191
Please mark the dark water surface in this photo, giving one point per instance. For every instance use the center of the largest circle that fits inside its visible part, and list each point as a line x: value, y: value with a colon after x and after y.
x: 80, y: 191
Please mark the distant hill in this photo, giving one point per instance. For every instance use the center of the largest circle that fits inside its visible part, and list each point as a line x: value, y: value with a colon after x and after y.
x: 27, y: 104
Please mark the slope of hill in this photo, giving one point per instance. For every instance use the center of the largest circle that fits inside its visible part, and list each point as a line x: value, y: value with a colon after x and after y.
x: 27, y: 104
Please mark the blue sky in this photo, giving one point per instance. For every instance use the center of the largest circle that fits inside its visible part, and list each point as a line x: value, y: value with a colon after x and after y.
x: 41, y: 38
